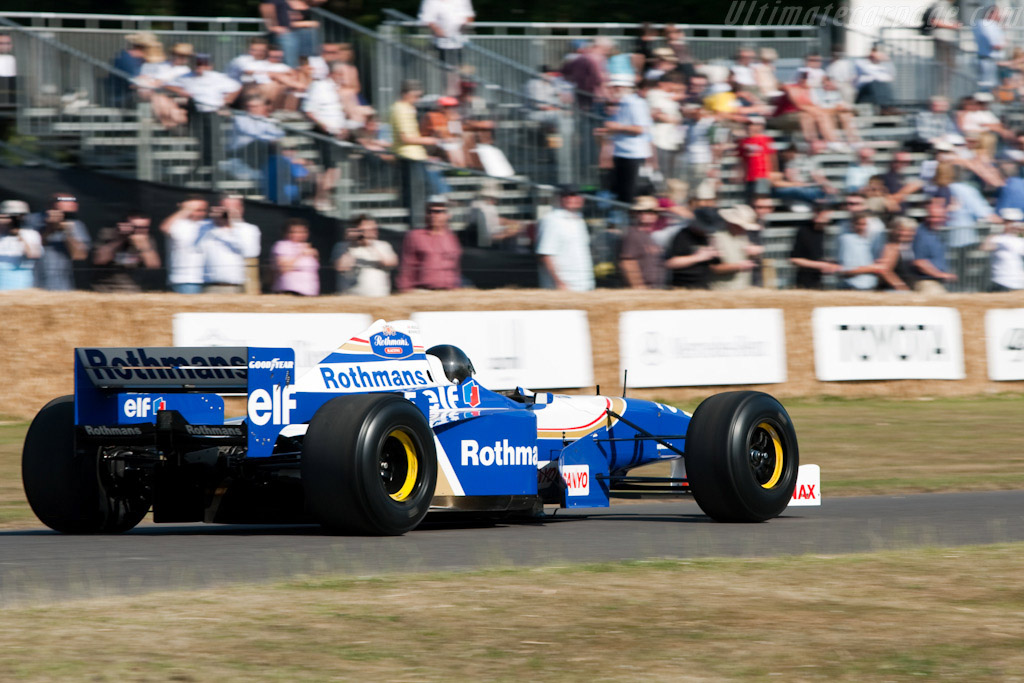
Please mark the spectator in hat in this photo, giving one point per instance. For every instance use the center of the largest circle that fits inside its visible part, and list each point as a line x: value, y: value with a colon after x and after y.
x: 735, y: 265
x: 563, y: 245
x: 630, y: 133
x: 20, y: 247
x: 641, y: 260
x: 808, y: 253
x: 431, y: 255
x: 130, y: 61
x: 65, y: 240
x: 765, y: 78
x: 1006, y: 253
x: 411, y: 149
x: 486, y: 227
x: 664, y: 62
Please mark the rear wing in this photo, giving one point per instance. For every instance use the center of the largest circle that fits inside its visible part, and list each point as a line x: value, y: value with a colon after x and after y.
x: 121, y: 386
x: 164, y: 368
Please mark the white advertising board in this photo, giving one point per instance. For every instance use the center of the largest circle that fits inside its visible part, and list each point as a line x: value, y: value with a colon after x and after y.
x: 312, y: 335
x: 887, y: 342
x: 531, y: 349
x: 1004, y: 339
x: 701, y: 348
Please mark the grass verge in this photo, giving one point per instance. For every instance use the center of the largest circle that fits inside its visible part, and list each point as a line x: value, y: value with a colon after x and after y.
x: 908, y: 615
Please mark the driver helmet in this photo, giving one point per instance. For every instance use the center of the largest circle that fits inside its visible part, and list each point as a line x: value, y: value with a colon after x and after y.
x: 457, y: 365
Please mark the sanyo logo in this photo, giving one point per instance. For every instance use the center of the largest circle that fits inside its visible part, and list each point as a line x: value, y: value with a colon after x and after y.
x: 271, y: 406
x: 501, y: 454
x: 272, y: 364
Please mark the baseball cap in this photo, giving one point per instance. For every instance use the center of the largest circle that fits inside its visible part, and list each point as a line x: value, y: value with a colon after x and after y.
x: 1012, y: 214
x: 741, y: 215
x: 448, y: 101
x: 622, y: 81
x: 982, y: 97
x: 437, y: 200
x: 568, y: 189
x: 14, y: 207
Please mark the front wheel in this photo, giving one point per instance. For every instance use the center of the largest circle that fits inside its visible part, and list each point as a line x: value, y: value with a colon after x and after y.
x: 369, y: 464
x: 741, y: 457
x: 64, y: 485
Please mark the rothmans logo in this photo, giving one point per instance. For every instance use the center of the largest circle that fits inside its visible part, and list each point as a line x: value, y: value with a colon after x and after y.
x: 390, y: 343
x: 213, y: 430
x: 113, y: 431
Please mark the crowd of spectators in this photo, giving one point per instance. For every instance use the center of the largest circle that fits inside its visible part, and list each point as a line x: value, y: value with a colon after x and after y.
x: 670, y: 129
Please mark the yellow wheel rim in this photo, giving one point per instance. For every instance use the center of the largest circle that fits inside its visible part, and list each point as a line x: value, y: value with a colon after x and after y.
x: 412, y: 465
x: 777, y: 445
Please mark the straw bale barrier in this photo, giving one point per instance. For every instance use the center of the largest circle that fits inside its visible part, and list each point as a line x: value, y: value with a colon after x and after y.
x: 40, y: 329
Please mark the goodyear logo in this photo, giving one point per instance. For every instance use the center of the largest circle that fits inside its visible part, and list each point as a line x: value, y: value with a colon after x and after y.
x: 391, y: 344
x: 501, y: 454
x: 272, y: 364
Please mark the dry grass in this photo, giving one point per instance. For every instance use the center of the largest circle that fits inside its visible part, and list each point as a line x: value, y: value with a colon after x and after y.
x: 911, y: 615
x: 42, y: 328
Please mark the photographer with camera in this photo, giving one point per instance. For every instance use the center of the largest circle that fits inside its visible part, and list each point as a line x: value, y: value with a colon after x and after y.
x: 121, y: 252
x: 226, y: 242
x: 366, y: 264
x: 65, y: 240
x: 20, y: 247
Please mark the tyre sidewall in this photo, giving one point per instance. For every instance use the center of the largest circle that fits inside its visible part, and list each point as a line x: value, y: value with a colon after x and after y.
x: 389, y: 515
x: 61, y: 484
x: 760, y: 503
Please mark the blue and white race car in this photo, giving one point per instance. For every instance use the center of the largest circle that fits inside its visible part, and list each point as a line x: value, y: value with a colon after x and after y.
x: 378, y: 434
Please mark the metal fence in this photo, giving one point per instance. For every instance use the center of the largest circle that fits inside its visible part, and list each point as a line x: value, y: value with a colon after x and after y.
x: 534, y: 44
x: 103, y: 36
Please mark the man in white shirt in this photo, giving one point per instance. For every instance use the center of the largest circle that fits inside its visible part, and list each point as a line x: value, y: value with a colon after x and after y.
x: 8, y: 73
x: 743, y: 70
x: 1007, y: 252
x: 246, y: 68
x: 208, y: 92
x: 20, y: 247
x: 990, y: 41
x: 563, y: 246
x: 225, y: 245
x: 185, y: 258
x: 447, y: 20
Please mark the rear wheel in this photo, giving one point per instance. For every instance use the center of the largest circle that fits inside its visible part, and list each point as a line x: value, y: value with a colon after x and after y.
x: 369, y: 465
x: 741, y: 457
x: 73, y: 490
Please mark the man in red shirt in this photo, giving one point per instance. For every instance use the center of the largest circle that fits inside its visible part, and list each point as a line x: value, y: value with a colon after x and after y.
x: 757, y: 154
x: 430, y: 256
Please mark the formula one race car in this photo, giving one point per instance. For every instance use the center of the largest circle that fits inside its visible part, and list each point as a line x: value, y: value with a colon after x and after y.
x: 377, y: 435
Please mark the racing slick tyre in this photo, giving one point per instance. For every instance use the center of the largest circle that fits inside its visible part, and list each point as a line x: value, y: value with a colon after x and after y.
x: 741, y: 457
x: 369, y: 465
x: 64, y: 486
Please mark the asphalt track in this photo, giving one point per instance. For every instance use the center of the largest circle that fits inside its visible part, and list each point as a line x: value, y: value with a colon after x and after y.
x: 40, y: 566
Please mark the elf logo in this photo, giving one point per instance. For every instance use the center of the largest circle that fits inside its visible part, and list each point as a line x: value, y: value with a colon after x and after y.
x: 273, y: 406
x: 471, y: 394
x: 143, y: 406
x: 577, y: 479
